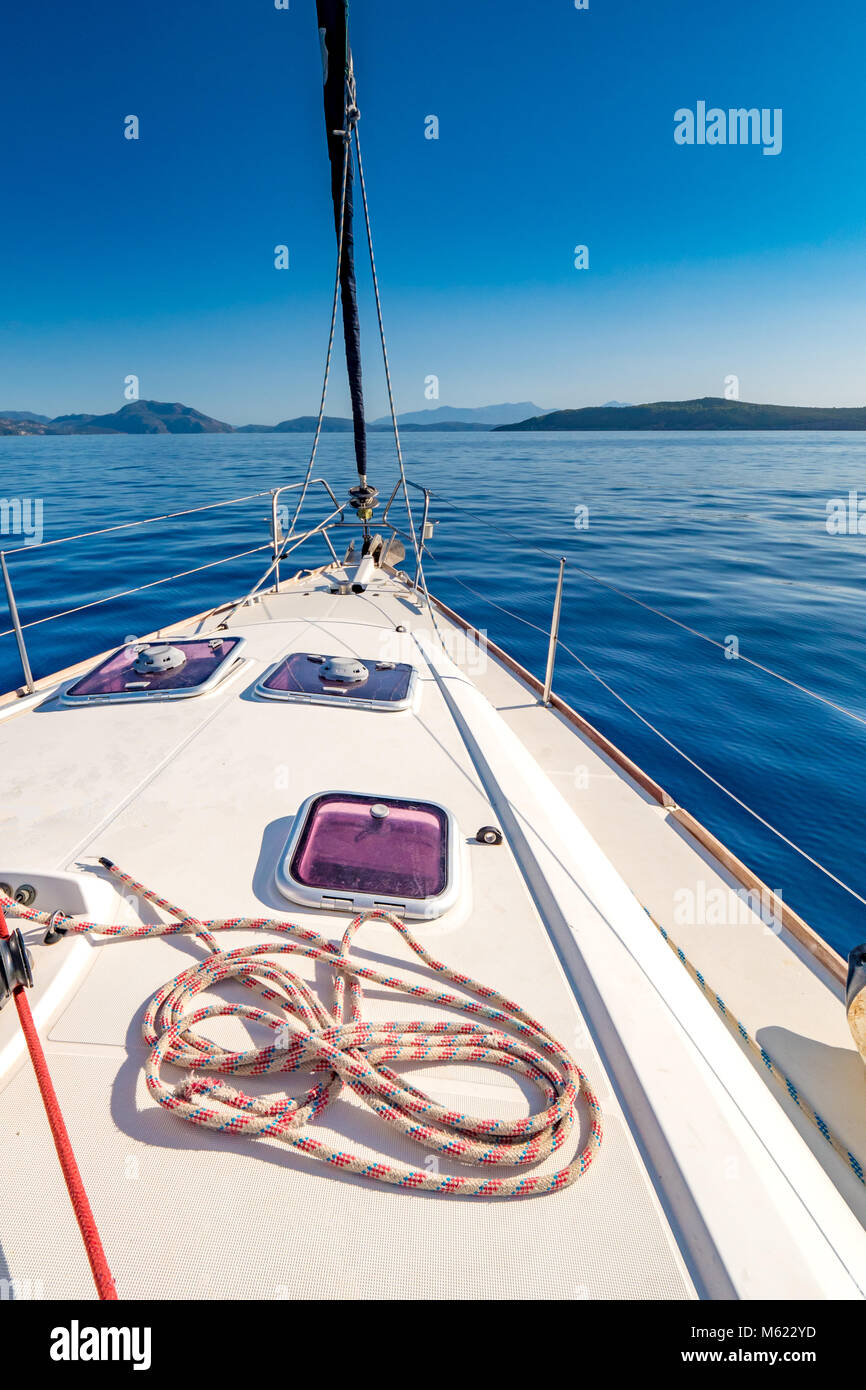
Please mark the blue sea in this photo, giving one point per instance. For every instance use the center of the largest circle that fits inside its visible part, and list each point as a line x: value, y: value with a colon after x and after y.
x: 727, y: 533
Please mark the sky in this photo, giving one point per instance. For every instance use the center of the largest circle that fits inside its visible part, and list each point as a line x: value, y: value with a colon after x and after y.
x: 155, y: 257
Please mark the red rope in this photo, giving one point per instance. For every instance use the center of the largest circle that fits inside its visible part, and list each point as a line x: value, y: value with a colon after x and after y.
x: 84, y: 1216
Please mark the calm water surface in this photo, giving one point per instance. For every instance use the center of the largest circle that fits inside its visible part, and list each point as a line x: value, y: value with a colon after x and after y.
x: 727, y: 533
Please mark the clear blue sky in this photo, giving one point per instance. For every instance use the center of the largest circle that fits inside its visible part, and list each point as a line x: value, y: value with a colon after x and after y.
x: 155, y: 257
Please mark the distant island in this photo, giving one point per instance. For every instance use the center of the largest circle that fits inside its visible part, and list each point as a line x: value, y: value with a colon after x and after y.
x: 706, y: 413
x: 139, y: 417
x: 161, y: 417
x: 337, y: 424
x: 450, y: 416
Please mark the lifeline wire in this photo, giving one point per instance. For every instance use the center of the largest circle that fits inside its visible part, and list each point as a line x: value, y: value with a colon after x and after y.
x: 816, y: 863
x: 804, y: 854
x: 651, y: 608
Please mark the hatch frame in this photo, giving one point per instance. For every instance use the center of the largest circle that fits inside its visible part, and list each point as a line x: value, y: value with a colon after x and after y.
x: 231, y: 665
x: 340, y: 899
x: 303, y: 697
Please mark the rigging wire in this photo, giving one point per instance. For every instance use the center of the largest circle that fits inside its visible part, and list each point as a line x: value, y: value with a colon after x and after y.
x: 659, y: 612
x: 331, y: 336
x: 139, y: 589
x: 696, y: 632
x: 142, y: 521
x: 816, y: 863
x: 251, y: 593
x: 281, y: 551
x: 507, y: 611
x: 422, y: 582
x: 493, y: 526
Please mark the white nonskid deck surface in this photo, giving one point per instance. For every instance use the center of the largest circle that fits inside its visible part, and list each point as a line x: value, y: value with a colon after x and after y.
x: 196, y: 799
x: 787, y: 1000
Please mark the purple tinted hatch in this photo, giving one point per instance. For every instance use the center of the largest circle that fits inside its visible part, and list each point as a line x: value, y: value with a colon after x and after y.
x: 117, y: 675
x: 305, y: 673
x: 367, y: 845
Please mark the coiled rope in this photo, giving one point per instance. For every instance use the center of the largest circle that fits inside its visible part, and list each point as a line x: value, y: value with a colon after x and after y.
x: 352, y: 1053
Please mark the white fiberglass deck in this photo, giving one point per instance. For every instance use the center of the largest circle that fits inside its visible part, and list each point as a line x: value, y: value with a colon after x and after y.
x: 702, y: 1185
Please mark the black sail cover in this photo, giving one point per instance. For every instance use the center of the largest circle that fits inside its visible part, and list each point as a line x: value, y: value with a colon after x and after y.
x: 338, y: 82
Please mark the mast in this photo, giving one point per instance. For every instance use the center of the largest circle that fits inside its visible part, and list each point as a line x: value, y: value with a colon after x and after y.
x: 341, y: 114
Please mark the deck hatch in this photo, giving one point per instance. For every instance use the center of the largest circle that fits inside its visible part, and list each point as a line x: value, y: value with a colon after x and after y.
x: 354, y: 852
x: 176, y: 668
x: 342, y: 680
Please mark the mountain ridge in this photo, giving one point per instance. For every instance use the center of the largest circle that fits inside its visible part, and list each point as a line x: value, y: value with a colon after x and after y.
x: 138, y: 417
x: 508, y: 412
x: 337, y: 424
x: 703, y: 413
x: 161, y: 417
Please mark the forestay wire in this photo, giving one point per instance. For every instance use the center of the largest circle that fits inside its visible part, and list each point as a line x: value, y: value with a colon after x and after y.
x: 331, y: 336
x: 422, y: 582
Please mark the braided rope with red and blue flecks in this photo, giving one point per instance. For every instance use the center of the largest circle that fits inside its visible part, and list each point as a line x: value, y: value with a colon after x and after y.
x: 351, y: 1052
